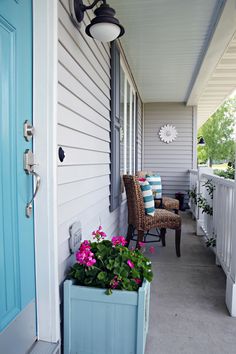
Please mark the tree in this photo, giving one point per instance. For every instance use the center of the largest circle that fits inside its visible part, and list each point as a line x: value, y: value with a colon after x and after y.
x: 218, y: 133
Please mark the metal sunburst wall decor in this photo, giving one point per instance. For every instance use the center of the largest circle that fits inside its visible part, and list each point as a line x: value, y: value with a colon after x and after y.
x: 168, y: 133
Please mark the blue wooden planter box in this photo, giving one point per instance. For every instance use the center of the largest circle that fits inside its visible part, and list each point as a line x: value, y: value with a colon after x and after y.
x: 95, y: 323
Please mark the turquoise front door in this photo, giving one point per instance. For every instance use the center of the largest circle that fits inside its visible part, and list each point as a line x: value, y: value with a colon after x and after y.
x: 17, y: 269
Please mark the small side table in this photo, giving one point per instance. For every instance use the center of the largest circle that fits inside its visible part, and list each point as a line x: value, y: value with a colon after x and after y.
x: 159, y: 203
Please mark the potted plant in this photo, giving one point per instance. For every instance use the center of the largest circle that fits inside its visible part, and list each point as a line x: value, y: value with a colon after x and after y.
x: 95, y: 322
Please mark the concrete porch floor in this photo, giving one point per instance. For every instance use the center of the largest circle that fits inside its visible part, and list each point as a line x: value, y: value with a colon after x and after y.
x: 187, y: 311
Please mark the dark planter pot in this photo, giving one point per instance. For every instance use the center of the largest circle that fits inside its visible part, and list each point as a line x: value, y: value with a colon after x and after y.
x: 180, y: 197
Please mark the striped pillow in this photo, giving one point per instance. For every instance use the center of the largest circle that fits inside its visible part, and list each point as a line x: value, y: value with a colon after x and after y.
x: 155, y: 183
x: 147, y: 197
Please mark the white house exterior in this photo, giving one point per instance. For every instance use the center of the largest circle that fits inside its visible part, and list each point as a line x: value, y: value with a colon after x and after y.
x: 175, y: 69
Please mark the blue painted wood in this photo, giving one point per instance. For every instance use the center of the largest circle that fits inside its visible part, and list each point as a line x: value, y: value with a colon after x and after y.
x: 95, y: 323
x: 17, y: 273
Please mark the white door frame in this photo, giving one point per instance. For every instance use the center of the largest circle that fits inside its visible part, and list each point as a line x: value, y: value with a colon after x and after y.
x: 45, y: 146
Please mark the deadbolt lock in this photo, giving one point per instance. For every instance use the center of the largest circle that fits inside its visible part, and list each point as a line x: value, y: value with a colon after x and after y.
x: 28, y: 130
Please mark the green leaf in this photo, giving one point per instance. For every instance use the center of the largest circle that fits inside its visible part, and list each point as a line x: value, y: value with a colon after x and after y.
x: 101, y: 276
x: 135, y: 273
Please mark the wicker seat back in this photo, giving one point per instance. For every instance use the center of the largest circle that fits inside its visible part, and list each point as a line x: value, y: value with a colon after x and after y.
x: 137, y: 219
x: 135, y: 202
x: 167, y: 202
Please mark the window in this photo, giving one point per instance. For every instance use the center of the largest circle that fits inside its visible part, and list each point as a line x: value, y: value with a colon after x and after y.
x: 123, y: 125
x: 127, y: 123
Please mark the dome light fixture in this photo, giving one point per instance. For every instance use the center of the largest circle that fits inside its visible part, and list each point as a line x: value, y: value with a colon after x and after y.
x: 104, y: 26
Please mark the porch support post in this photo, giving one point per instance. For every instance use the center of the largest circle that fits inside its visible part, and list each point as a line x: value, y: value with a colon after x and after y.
x: 194, y: 153
x: 230, y: 297
x: 200, y: 216
x: 45, y: 20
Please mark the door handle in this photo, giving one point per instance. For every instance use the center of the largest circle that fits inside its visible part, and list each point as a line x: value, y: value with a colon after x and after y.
x: 29, y: 205
x: 29, y: 170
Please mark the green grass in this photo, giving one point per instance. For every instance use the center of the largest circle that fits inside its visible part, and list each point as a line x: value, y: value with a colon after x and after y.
x: 222, y: 166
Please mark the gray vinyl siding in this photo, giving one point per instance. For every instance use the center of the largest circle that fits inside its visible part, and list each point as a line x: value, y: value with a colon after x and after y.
x: 171, y: 160
x: 84, y: 135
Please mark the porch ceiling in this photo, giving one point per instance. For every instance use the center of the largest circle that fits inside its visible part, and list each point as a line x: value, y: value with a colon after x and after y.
x: 165, y: 43
x: 220, y: 84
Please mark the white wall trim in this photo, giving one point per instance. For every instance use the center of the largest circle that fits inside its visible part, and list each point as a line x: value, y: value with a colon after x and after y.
x: 224, y: 32
x: 230, y: 296
x: 194, y: 161
x: 143, y: 117
x: 45, y: 146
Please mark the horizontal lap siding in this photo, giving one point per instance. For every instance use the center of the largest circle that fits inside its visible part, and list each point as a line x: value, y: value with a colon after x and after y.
x: 171, y: 160
x: 84, y: 134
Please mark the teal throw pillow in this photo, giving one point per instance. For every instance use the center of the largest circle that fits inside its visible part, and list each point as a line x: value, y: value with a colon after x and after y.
x: 148, y: 200
x: 155, y: 183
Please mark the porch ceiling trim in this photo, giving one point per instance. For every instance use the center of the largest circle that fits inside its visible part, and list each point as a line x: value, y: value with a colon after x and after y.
x: 216, y: 78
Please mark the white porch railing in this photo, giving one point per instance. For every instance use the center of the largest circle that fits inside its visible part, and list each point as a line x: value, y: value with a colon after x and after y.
x: 206, y: 220
x: 194, y: 187
x: 219, y: 225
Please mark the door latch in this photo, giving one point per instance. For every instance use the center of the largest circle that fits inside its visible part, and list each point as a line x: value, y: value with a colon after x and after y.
x: 29, y: 161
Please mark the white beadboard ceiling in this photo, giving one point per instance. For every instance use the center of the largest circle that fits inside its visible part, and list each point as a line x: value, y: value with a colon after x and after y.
x: 165, y: 43
x: 220, y: 85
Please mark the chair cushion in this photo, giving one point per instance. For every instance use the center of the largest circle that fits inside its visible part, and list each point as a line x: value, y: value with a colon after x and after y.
x: 168, y: 203
x: 148, y: 200
x: 162, y: 219
x: 155, y: 183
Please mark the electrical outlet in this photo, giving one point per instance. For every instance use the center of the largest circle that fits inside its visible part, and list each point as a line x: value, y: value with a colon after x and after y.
x: 75, y: 231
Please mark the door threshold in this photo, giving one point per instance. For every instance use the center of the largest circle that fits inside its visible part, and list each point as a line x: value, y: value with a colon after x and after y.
x: 45, y: 347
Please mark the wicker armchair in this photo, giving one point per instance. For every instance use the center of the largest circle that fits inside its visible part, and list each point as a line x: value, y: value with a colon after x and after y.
x: 167, y: 202
x: 137, y: 219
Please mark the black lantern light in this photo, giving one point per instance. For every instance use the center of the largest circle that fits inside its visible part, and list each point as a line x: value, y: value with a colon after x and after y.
x: 104, y: 26
x: 201, y: 141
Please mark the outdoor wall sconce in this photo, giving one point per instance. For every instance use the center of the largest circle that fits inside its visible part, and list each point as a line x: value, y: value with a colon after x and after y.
x: 104, y: 26
x: 201, y: 141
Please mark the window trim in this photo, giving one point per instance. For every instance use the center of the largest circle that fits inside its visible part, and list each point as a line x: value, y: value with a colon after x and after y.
x: 132, y: 118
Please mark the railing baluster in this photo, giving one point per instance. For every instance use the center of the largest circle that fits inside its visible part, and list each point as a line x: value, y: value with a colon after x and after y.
x: 220, y: 224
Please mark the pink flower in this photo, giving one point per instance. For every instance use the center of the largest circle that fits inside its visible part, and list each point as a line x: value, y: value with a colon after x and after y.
x: 118, y: 240
x: 137, y: 281
x: 84, y: 256
x: 141, y: 244
x: 115, y: 282
x: 142, y: 179
x: 99, y: 234
x: 130, y: 264
x: 152, y: 249
x: 91, y: 262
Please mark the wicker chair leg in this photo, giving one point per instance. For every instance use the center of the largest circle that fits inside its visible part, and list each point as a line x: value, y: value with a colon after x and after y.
x: 163, y: 237
x: 129, y: 234
x: 177, y: 242
x: 140, y: 238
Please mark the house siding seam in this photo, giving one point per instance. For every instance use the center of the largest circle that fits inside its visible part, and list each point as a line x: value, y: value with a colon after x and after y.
x: 84, y: 134
x: 173, y: 160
